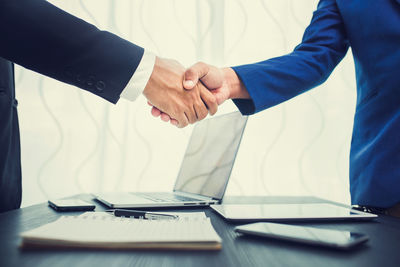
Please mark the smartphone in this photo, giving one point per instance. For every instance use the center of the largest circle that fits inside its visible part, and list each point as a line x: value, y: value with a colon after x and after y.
x: 71, y: 205
x: 304, y: 234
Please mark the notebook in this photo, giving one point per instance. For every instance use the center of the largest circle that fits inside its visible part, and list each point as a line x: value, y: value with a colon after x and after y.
x: 105, y: 232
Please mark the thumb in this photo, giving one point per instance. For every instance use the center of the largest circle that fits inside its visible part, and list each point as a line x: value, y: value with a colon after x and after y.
x: 194, y: 73
x: 211, y: 76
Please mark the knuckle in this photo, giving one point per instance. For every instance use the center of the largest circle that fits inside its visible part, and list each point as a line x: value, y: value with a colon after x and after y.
x: 175, y: 110
x: 203, y: 67
x: 203, y: 115
x: 183, y: 106
x: 190, y: 72
x: 195, y: 97
x: 190, y: 99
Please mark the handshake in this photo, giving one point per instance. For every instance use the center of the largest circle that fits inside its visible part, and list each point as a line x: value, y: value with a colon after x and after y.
x: 187, y: 96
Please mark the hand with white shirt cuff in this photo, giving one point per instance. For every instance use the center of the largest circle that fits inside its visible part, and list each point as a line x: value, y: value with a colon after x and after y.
x: 164, y: 91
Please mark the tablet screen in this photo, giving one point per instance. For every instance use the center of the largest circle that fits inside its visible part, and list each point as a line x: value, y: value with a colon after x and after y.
x: 287, y: 211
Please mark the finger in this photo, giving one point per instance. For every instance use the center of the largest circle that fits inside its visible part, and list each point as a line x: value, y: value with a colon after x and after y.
x: 183, y: 121
x: 191, y: 115
x: 174, y: 122
x: 177, y: 112
x: 209, y: 100
x: 155, y: 112
x: 165, y: 117
x: 201, y: 110
x: 193, y: 74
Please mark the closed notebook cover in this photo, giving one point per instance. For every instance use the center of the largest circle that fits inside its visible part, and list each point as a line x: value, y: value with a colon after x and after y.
x: 105, y: 232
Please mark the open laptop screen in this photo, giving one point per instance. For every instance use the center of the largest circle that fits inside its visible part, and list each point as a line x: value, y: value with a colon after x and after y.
x: 210, y: 155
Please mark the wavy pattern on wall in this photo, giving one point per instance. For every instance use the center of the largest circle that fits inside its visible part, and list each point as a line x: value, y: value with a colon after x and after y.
x: 239, y: 33
x: 141, y: 136
x: 148, y: 150
x: 91, y: 154
x: 227, y: 53
x: 122, y: 142
x: 112, y: 134
x: 268, y: 150
x: 40, y: 176
x: 320, y: 126
x: 197, y: 38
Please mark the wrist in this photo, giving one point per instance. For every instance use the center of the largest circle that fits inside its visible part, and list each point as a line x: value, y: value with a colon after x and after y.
x: 147, y: 89
x: 235, y: 86
x: 140, y: 77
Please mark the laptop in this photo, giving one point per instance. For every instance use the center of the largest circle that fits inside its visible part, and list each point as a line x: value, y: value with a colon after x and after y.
x: 204, y: 172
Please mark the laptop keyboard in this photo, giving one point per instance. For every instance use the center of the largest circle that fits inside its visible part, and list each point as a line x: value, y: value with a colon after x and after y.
x: 161, y: 197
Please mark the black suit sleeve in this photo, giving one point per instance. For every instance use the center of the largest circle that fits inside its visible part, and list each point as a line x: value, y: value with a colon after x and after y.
x: 45, y: 39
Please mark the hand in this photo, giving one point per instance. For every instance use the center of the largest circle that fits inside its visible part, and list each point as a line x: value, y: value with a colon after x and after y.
x: 165, y: 92
x: 211, y: 76
x: 223, y: 84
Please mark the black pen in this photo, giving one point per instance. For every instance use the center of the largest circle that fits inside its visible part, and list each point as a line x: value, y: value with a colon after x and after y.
x: 142, y: 214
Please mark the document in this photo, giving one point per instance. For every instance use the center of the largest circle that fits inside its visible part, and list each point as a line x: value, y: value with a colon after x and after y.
x: 102, y: 231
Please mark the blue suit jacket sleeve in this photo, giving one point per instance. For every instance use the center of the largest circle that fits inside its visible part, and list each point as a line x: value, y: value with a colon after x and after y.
x: 278, y: 79
x: 43, y: 38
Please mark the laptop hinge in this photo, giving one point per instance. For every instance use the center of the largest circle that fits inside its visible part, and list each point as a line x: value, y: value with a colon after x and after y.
x: 186, y: 194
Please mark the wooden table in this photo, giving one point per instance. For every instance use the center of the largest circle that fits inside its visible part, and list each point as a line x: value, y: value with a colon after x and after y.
x: 383, y: 249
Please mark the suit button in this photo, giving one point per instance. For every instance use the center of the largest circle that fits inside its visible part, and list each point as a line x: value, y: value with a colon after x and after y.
x: 15, y: 103
x: 90, y: 81
x: 100, y: 86
x: 2, y: 91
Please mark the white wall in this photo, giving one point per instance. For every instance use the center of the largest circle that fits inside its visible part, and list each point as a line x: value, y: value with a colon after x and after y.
x: 74, y: 142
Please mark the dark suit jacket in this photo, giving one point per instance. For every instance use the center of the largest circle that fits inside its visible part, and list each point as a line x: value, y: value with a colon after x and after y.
x: 372, y: 29
x: 45, y: 39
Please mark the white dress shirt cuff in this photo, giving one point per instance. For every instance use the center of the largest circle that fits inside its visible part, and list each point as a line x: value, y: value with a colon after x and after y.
x: 140, y: 78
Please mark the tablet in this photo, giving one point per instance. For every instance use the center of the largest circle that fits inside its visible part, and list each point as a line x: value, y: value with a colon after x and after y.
x: 304, y: 234
x: 289, y: 212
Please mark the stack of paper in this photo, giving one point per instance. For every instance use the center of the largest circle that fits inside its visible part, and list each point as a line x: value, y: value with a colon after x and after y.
x: 99, y: 230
